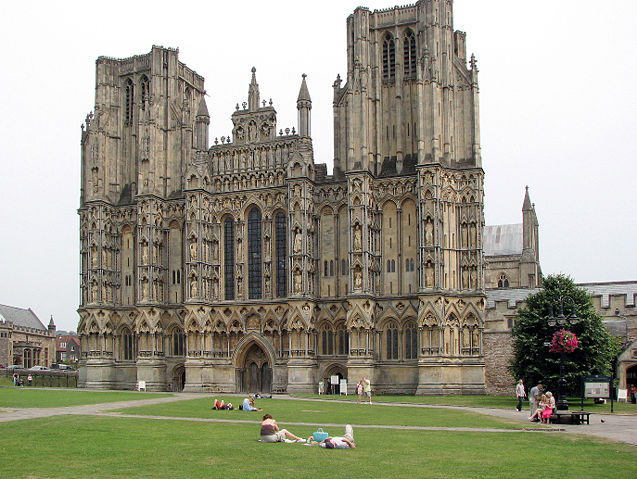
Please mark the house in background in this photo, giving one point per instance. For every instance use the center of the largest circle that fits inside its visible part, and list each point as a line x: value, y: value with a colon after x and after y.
x: 68, y: 348
x: 24, y: 340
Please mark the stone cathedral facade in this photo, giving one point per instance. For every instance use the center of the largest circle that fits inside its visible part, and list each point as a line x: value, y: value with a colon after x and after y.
x: 243, y: 266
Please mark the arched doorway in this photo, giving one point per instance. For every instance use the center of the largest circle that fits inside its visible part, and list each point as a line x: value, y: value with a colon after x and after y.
x: 178, y: 378
x: 332, y: 372
x: 631, y: 378
x: 255, y: 370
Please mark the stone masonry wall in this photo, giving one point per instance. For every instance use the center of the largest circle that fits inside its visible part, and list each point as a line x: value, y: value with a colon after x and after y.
x: 498, y: 351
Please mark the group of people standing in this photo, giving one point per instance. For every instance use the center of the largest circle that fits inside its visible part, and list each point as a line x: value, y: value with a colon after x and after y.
x: 364, y: 386
x: 541, y: 404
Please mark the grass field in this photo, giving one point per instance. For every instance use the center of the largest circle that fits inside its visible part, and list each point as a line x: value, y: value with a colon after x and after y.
x: 27, y: 397
x: 501, y: 402
x: 96, y: 447
x: 321, y: 413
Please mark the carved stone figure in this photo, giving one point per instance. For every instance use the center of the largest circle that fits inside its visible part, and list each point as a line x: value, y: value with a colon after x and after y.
x: 429, y: 276
x: 357, y: 237
x: 429, y: 233
x: 193, y: 250
x: 239, y: 287
x: 298, y: 241
x: 358, y: 278
x: 298, y: 279
x: 144, y: 253
x: 215, y: 288
x: 193, y: 287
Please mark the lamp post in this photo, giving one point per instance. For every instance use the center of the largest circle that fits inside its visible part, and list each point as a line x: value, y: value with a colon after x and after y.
x: 561, y: 321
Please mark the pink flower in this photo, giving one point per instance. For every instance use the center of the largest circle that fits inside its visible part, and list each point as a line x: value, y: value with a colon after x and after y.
x: 564, y: 342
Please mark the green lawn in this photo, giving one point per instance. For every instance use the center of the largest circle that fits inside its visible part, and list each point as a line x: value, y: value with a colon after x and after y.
x: 28, y: 397
x: 320, y: 413
x: 84, y: 446
x: 500, y: 402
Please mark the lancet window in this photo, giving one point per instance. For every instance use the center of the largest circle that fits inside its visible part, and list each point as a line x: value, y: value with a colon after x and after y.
x: 409, y: 50
x: 129, y: 98
x: 411, y: 341
x: 254, y: 253
x: 145, y: 92
x: 228, y: 235
x: 392, y: 341
x: 281, y: 256
x: 389, y: 58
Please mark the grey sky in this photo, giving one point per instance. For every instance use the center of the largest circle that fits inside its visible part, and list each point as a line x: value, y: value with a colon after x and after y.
x: 557, y: 113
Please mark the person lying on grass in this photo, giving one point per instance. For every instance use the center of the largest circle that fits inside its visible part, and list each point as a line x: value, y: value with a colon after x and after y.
x: 270, y: 432
x: 340, y: 442
x: 223, y: 405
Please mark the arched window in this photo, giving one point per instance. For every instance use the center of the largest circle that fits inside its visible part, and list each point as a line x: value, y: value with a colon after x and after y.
x: 178, y: 342
x: 325, y: 268
x: 409, y: 50
x: 343, y: 340
x: 228, y: 235
x: 129, y: 98
x: 145, y: 92
x: 411, y: 341
x: 503, y: 282
x: 254, y: 254
x: 389, y: 266
x: 343, y: 267
x: 281, y: 256
x: 392, y: 341
x: 331, y: 267
x: 327, y: 340
x: 128, y: 346
x: 393, y: 265
x: 389, y: 58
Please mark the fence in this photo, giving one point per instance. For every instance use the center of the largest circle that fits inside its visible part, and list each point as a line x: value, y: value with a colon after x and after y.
x: 44, y: 379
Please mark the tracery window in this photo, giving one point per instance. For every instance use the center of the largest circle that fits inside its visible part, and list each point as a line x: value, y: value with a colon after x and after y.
x: 503, y: 282
x: 392, y: 341
x: 228, y: 273
x: 178, y: 342
x: 128, y: 349
x: 129, y: 98
x: 281, y: 256
x: 327, y: 340
x: 411, y: 341
x: 389, y: 58
x: 409, y: 50
x: 254, y: 253
x: 343, y: 340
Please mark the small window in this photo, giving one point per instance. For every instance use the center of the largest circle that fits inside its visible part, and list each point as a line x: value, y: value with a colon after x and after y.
x: 343, y: 267
x: 331, y: 267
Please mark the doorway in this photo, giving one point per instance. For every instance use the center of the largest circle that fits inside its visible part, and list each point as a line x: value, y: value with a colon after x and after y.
x: 257, y: 371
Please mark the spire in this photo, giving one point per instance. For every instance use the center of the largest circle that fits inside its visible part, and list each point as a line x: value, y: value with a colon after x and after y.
x: 51, y: 324
x: 304, y: 105
x: 202, y: 110
x: 304, y: 93
x: 253, y: 92
x: 527, y: 201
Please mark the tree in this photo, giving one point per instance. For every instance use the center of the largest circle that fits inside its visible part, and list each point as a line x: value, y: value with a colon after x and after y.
x: 534, y: 363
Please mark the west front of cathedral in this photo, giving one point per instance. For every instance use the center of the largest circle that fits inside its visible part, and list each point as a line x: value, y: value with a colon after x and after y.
x: 244, y: 266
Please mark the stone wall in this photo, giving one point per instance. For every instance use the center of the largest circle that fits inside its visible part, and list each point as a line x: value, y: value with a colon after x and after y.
x: 498, y: 351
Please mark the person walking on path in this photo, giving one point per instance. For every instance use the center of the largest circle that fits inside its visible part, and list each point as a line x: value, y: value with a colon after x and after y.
x: 534, y: 397
x: 359, y: 391
x: 520, y: 393
x: 29, y: 380
x: 367, y: 388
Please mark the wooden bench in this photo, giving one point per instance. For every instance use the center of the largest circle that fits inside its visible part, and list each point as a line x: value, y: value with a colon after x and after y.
x: 574, y: 417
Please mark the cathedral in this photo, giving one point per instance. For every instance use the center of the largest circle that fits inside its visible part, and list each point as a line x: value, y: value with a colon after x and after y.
x: 243, y: 266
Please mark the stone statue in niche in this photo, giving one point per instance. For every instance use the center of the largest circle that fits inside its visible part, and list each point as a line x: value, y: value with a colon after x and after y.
x: 267, y: 248
x: 429, y: 233
x: 193, y: 249
x: 104, y: 258
x: 358, y: 278
x: 193, y: 287
x: 429, y: 275
x: 465, y: 277
x: 239, y: 287
x: 144, y: 289
x: 155, y: 253
x: 215, y: 250
x: 252, y: 132
x: 239, y: 250
x: 357, y: 237
x: 298, y: 241
x: 267, y: 284
x: 297, y: 281
x: 94, y: 291
x: 215, y: 288
x: 94, y: 258
x: 144, y: 253
x: 474, y: 239
x: 473, y: 278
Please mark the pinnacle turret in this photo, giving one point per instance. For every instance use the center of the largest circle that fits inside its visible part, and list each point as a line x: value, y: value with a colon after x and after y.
x: 304, y: 105
x: 253, y: 92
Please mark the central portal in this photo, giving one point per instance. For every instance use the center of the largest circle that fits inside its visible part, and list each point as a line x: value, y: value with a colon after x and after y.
x: 256, y: 374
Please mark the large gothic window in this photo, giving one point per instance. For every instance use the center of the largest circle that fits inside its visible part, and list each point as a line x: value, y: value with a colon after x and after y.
x: 128, y: 346
x: 343, y: 340
x: 281, y: 256
x: 254, y: 253
x: 228, y: 259
x: 389, y: 58
x: 409, y: 50
x: 129, y: 98
x: 392, y: 341
x: 411, y: 341
x: 178, y: 342
x: 145, y: 93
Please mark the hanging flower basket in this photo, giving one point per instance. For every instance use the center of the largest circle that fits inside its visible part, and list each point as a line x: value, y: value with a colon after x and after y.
x: 564, y: 342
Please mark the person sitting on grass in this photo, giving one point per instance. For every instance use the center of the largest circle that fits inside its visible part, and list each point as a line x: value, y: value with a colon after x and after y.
x: 270, y: 432
x: 340, y: 442
x: 248, y: 405
x: 222, y: 405
x: 537, y: 415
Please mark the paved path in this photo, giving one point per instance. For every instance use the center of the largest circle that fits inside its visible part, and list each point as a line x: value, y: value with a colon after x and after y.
x: 622, y: 428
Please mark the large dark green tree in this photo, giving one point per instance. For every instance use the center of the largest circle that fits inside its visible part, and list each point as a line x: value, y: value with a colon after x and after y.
x: 533, y: 362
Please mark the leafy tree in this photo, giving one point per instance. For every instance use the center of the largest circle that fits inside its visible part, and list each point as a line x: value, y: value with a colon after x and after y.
x: 533, y: 362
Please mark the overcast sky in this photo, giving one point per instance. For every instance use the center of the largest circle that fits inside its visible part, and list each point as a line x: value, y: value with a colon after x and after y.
x: 557, y: 99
